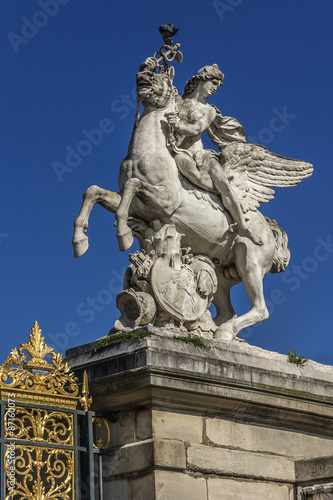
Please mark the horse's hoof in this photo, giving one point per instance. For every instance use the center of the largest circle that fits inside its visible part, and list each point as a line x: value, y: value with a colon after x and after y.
x: 125, y: 241
x: 80, y: 246
x: 224, y: 333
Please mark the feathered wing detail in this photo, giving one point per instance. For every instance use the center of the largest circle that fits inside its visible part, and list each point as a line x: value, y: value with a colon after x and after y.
x: 253, y: 170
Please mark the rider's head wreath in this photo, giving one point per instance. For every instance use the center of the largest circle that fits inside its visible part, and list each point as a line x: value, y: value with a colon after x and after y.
x: 204, y: 74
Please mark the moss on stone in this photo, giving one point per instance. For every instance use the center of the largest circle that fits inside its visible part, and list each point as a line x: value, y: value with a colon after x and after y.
x: 121, y: 337
x: 190, y: 340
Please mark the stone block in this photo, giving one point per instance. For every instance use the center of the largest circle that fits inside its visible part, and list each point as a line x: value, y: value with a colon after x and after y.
x: 319, y: 469
x: 123, y: 430
x: 176, y: 486
x: 144, y: 423
x: 264, y: 439
x: 230, y: 489
x: 129, y: 458
x: 239, y: 463
x: 138, y: 456
x: 117, y: 489
x: 142, y: 488
x: 177, y: 426
x: 169, y: 453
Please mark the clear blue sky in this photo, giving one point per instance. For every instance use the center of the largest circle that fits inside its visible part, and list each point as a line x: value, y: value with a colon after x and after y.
x: 68, y: 65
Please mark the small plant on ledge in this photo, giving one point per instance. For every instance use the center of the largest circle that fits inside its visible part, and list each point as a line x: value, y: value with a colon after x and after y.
x: 296, y: 358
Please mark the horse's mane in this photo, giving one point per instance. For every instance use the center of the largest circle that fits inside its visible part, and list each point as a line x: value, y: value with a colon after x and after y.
x: 213, y: 199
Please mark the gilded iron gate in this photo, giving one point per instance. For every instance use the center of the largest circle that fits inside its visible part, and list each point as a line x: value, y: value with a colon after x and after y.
x: 47, y: 441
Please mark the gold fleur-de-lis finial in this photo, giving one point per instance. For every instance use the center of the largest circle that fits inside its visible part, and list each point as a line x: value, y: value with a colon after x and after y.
x: 37, y: 349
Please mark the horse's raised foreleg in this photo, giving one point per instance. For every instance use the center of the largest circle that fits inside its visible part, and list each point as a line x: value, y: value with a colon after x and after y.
x: 250, y: 270
x: 157, y: 198
x: 124, y: 233
x: 94, y: 194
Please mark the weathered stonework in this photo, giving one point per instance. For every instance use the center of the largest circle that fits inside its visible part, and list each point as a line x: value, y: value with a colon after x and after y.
x: 225, y: 421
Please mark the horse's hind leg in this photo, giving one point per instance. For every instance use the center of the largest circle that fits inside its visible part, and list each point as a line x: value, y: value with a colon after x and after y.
x: 222, y: 300
x: 250, y: 270
x: 94, y: 194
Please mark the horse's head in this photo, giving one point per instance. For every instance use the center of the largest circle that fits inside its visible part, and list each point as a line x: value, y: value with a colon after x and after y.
x: 154, y: 89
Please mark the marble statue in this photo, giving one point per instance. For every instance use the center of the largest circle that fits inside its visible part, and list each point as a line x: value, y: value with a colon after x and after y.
x: 194, y: 211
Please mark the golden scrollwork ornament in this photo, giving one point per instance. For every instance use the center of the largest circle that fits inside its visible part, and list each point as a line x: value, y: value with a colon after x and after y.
x: 102, y: 434
x: 38, y: 379
x: 41, y: 394
x: 42, y: 473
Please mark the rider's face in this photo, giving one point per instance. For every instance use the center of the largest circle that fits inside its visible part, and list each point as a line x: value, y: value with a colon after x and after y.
x: 209, y: 87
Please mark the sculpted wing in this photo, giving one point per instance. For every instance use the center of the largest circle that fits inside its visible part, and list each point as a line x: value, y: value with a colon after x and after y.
x: 253, y: 170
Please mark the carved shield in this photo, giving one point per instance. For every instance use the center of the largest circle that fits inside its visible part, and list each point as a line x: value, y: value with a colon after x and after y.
x: 176, y: 291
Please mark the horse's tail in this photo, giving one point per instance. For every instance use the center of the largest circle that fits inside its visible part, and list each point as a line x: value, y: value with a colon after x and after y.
x: 282, y: 252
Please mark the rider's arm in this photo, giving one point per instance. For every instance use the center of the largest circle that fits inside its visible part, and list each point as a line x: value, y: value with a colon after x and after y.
x: 183, y: 126
x: 186, y: 128
x: 181, y: 123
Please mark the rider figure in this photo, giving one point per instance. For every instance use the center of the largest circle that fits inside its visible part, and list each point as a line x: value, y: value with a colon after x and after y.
x: 201, y: 166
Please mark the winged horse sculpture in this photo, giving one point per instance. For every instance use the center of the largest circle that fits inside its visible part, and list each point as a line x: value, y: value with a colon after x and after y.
x: 211, y: 198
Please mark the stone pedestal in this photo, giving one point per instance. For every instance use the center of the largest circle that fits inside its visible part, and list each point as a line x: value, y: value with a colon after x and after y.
x: 228, y: 421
